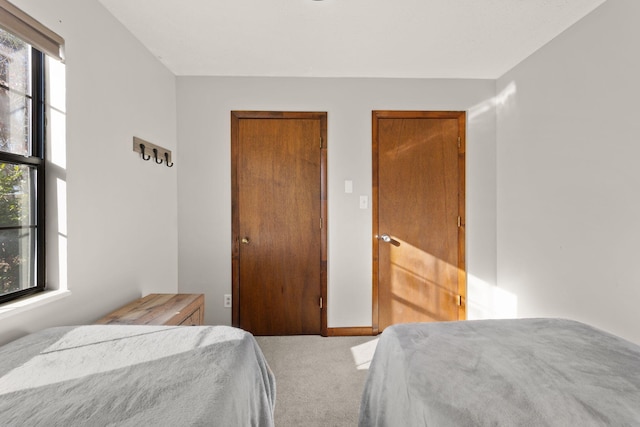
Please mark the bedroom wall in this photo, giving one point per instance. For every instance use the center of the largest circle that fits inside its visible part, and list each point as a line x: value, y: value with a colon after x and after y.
x: 568, y: 177
x: 119, y: 220
x: 204, y: 186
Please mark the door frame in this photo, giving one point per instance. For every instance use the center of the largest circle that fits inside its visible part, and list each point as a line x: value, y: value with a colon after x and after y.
x: 236, y: 116
x: 462, y: 275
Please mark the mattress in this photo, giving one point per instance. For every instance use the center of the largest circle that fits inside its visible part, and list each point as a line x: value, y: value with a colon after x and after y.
x: 114, y: 375
x: 524, y: 372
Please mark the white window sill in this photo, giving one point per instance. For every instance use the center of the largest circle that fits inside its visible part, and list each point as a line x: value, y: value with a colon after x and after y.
x: 31, y: 302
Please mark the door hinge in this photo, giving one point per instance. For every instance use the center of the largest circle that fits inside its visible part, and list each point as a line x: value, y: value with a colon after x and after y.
x: 321, y: 223
x: 458, y: 300
x: 459, y: 142
x: 459, y: 222
x: 321, y: 303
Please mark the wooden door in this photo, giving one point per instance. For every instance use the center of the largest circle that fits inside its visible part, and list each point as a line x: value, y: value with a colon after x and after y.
x: 279, y: 222
x: 418, y: 217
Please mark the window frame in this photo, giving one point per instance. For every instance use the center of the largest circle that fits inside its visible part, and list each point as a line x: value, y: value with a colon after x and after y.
x: 36, y: 160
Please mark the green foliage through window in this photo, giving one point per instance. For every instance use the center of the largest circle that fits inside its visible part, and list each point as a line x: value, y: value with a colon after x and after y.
x: 21, y: 168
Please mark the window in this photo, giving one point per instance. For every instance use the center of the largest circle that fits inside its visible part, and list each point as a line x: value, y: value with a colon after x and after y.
x: 22, y: 257
x: 24, y: 42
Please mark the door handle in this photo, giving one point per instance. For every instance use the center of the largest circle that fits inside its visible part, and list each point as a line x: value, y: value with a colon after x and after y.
x: 388, y: 239
x: 245, y: 241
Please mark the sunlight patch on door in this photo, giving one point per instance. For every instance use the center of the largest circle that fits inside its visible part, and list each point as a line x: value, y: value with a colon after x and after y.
x: 423, y: 287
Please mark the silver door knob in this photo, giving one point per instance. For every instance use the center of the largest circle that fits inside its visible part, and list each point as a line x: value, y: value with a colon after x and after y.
x: 388, y: 239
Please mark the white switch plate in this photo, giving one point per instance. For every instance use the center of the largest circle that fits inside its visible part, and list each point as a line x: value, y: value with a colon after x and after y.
x: 348, y: 186
x: 364, y: 202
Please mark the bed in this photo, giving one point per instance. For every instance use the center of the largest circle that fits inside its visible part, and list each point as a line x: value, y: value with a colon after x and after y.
x: 525, y: 372
x: 117, y: 375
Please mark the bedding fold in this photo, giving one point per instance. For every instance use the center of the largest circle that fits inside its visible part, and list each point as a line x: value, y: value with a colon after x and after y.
x: 112, y: 375
x: 523, y: 372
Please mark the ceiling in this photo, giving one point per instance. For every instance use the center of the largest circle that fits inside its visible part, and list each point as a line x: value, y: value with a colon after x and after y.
x: 346, y: 38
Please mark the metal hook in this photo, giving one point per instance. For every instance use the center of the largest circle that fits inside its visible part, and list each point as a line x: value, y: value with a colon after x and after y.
x: 166, y: 159
x: 142, y: 152
x: 155, y: 155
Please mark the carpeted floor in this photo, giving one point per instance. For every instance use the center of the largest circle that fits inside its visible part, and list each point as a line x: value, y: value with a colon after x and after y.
x: 318, y: 380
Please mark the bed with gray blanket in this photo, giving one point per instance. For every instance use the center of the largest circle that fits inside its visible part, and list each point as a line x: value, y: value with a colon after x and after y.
x: 525, y: 372
x: 99, y: 375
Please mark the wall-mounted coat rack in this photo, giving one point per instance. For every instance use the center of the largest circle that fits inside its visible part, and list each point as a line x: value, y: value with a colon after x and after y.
x: 148, y: 151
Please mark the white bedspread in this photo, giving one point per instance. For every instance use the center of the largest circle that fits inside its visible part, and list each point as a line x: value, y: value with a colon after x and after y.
x: 525, y: 372
x: 111, y: 375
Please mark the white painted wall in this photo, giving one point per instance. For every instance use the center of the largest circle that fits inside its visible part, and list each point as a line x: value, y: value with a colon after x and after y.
x: 204, y: 186
x: 566, y: 181
x: 121, y: 213
x: 568, y: 177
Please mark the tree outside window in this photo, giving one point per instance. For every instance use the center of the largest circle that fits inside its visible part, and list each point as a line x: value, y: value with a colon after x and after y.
x: 21, y: 163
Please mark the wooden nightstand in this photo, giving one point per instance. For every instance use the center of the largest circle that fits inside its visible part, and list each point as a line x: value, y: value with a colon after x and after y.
x: 160, y: 309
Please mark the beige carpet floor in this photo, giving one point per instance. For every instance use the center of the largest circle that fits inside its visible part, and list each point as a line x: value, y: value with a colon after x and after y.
x: 318, y: 382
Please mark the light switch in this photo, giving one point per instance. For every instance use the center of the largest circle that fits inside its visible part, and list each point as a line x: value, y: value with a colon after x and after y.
x: 348, y: 186
x: 364, y: 202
